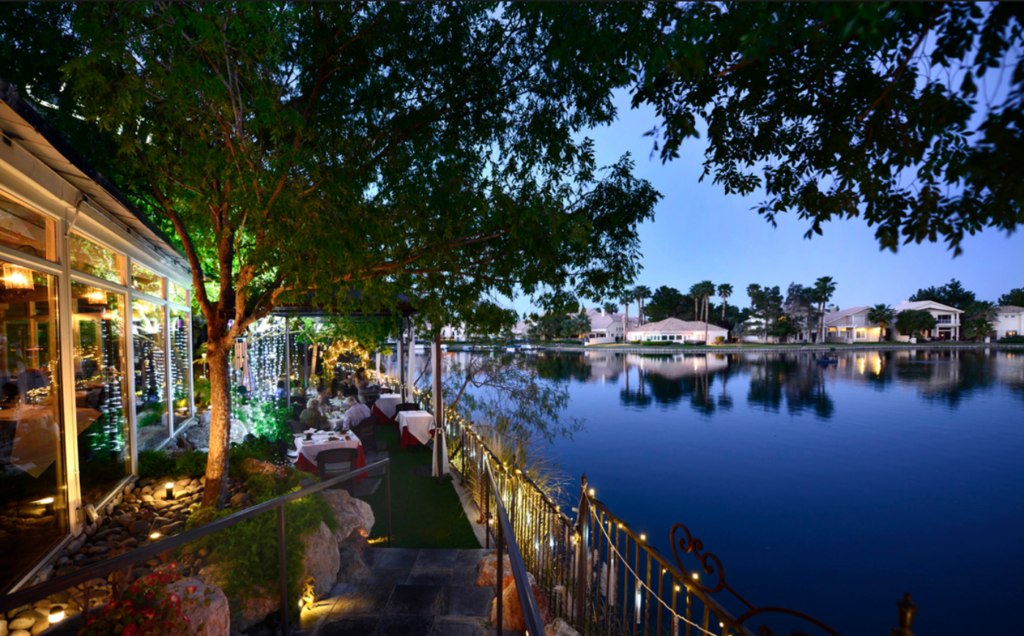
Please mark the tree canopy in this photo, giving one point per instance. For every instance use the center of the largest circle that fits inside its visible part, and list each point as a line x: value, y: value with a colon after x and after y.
x: 1015, y: 297
x: 434, y: 150
x: 908, y: 115
x: 953, y: 294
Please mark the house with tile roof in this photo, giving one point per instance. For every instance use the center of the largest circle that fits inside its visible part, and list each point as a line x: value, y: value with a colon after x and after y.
x: 1009, y: 321
x: 947, y: 319
x: 850, y: 326
x: 675, y: 330
x: 607, y: 328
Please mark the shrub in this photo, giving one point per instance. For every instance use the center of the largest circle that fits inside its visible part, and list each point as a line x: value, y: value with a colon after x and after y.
x: 269, y: 420
x: 201, y: 390
x: 719, y: 340
x: 192, y: 463
x: 143, y: 610
x: 255, y: 448
x: 245, y: 545
x: 154, y: 464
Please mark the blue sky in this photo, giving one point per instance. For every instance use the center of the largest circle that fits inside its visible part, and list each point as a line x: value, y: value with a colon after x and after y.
x: 699, y: 233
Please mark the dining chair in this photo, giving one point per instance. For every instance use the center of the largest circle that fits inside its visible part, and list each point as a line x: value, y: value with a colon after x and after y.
x: 337, y: 461
x: 406, y: 406
x: 366, y: 431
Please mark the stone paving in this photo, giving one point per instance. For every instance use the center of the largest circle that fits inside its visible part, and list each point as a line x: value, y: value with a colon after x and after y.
x: 409, y: 592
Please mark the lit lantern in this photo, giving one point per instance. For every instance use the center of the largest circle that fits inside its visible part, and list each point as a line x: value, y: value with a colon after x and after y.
x: 170, y: 489
x: 56, y: 614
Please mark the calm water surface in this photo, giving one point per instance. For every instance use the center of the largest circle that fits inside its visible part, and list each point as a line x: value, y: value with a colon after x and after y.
x: 832, y: 490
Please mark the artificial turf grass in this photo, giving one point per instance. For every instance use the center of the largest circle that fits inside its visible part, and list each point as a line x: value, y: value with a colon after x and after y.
x: 424, y: 514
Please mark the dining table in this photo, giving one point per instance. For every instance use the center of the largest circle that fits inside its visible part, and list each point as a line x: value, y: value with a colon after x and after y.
x: 414, y: 427
x: 326, y: 440
x: 386, y: 406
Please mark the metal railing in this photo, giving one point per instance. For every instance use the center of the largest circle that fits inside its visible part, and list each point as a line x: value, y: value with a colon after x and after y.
x: 27, y: 596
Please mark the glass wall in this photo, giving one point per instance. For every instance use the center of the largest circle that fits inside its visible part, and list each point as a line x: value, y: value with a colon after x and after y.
x: 94, y: 259
x: 32, y: 472
x: 152, y: 424
x: 26, y: 230
x: 104, y: 456
x: 146, y: 281
x: 181, y: 364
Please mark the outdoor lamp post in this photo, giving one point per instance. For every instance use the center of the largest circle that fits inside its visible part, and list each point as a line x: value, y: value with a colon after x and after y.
x: 170, y: 489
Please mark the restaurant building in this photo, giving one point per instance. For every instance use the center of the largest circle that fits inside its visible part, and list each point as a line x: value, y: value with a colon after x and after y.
x: 95, y: 347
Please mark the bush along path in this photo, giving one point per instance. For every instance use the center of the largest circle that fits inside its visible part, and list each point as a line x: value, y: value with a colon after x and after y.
x: 325, y: 542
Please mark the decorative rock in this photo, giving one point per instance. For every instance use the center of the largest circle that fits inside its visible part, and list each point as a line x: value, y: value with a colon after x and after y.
x: 247, y: 611
x: 21, y: 632
x: 40, y: 627
x: 3, y: 627
x: 25, y: 620
x: 239, y: 499
x: 208, y: 620
x: 353, y: 568
x: 139, y: 527
x: 560, y: 628
x: 321, y: 560
x: 352, y: 514
x: 487, y: 570
x: 512, y: 613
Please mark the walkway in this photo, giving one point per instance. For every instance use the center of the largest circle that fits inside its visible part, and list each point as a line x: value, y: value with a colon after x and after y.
x: 410, y: 592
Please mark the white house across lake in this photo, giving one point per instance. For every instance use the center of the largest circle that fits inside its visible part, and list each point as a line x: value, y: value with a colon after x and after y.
x: 851, y: 325
x: 1009, y: 321
x: 947, y: 319
x: 675, y: 330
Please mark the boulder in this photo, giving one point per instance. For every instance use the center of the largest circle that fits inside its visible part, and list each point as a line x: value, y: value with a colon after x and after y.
x: 353, y: 568
x: 487, y: 570
x: 321, y: 560
x: 512, y: 613
x: 352, y: 514
x: 248, y: 611
x: 559, y: 628
x: 213, y: 619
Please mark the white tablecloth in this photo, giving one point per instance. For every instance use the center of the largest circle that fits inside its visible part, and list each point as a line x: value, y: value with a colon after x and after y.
x: 321, y: 441
x: 387, y: 403
x: 419, y: 423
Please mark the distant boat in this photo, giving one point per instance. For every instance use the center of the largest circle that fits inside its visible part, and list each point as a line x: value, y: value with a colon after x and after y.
x: 829, y: 359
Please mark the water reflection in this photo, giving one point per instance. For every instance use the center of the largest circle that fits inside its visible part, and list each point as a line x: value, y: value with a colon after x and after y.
x: 792, y: 382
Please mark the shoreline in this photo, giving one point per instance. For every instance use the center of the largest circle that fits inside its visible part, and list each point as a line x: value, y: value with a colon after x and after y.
x: 770, y: 348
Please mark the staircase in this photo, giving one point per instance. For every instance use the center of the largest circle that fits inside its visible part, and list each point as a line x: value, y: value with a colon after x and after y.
x: 409, y: 592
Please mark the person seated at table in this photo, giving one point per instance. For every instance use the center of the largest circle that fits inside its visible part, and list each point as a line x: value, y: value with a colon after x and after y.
x: 335, y: 391
x: 313, y: 416
x: 281, y: 392
x: 355, y: 414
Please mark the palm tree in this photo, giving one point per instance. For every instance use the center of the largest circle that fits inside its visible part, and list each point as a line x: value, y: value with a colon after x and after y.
x: 824, y: 287
x: 640, y: 292
x: 627, y: 298
x: 981, y: 315
x: 706, y: 289
x: 695, y: 292
x: 724, y: 291
x: 883, y: 315
x: 610, y: 307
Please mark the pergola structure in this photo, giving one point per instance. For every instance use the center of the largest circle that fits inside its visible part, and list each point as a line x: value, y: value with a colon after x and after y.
x: 95, y: 342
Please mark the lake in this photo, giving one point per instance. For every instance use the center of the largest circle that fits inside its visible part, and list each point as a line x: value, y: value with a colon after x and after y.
x: 831, y: 490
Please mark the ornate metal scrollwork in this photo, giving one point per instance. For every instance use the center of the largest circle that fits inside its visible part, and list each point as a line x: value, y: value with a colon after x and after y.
x: 694, y: 546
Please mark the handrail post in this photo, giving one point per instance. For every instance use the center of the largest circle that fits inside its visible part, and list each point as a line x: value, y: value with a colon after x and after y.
x: 282, y: 563
x: 583, y: 521
x: 500, y: 553
x: 387, y: 494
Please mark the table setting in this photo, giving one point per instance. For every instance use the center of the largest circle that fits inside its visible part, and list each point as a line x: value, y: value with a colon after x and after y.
x: 310, y: 443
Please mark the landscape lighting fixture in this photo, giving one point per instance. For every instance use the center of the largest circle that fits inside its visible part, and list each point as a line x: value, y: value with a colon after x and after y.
x: 170, y: 489
x: 155, y: 535
x: 56, y: 614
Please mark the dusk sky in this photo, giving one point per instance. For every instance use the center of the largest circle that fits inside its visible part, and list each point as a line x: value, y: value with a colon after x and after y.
x: 699, y: 233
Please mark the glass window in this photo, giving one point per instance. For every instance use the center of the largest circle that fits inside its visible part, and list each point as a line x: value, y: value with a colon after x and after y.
x: 150, y: 368
x: 179, y: 294
x: 101, y: 390
x: 94, y: 259
x: 32, y: 486
x: 181, y: 365
x: 26, y: 230
x: 146, y: 281
x: 862, y: 334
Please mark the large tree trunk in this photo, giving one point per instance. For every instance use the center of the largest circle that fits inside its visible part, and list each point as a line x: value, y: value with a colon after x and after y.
x: 217, y: 356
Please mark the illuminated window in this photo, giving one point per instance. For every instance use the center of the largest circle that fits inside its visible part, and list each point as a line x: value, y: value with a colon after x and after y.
x: 862, y: 334
x: 101, y: 390
x: 94, y: 259
x: 146, y: 281
x: 26, y: 230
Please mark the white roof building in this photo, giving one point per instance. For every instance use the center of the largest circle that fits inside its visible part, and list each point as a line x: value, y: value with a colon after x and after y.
x: 1009, y: 321
x: 851, y: 326
x: 675, y: 330
x: 607, y: 328
x: 947, y: 318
